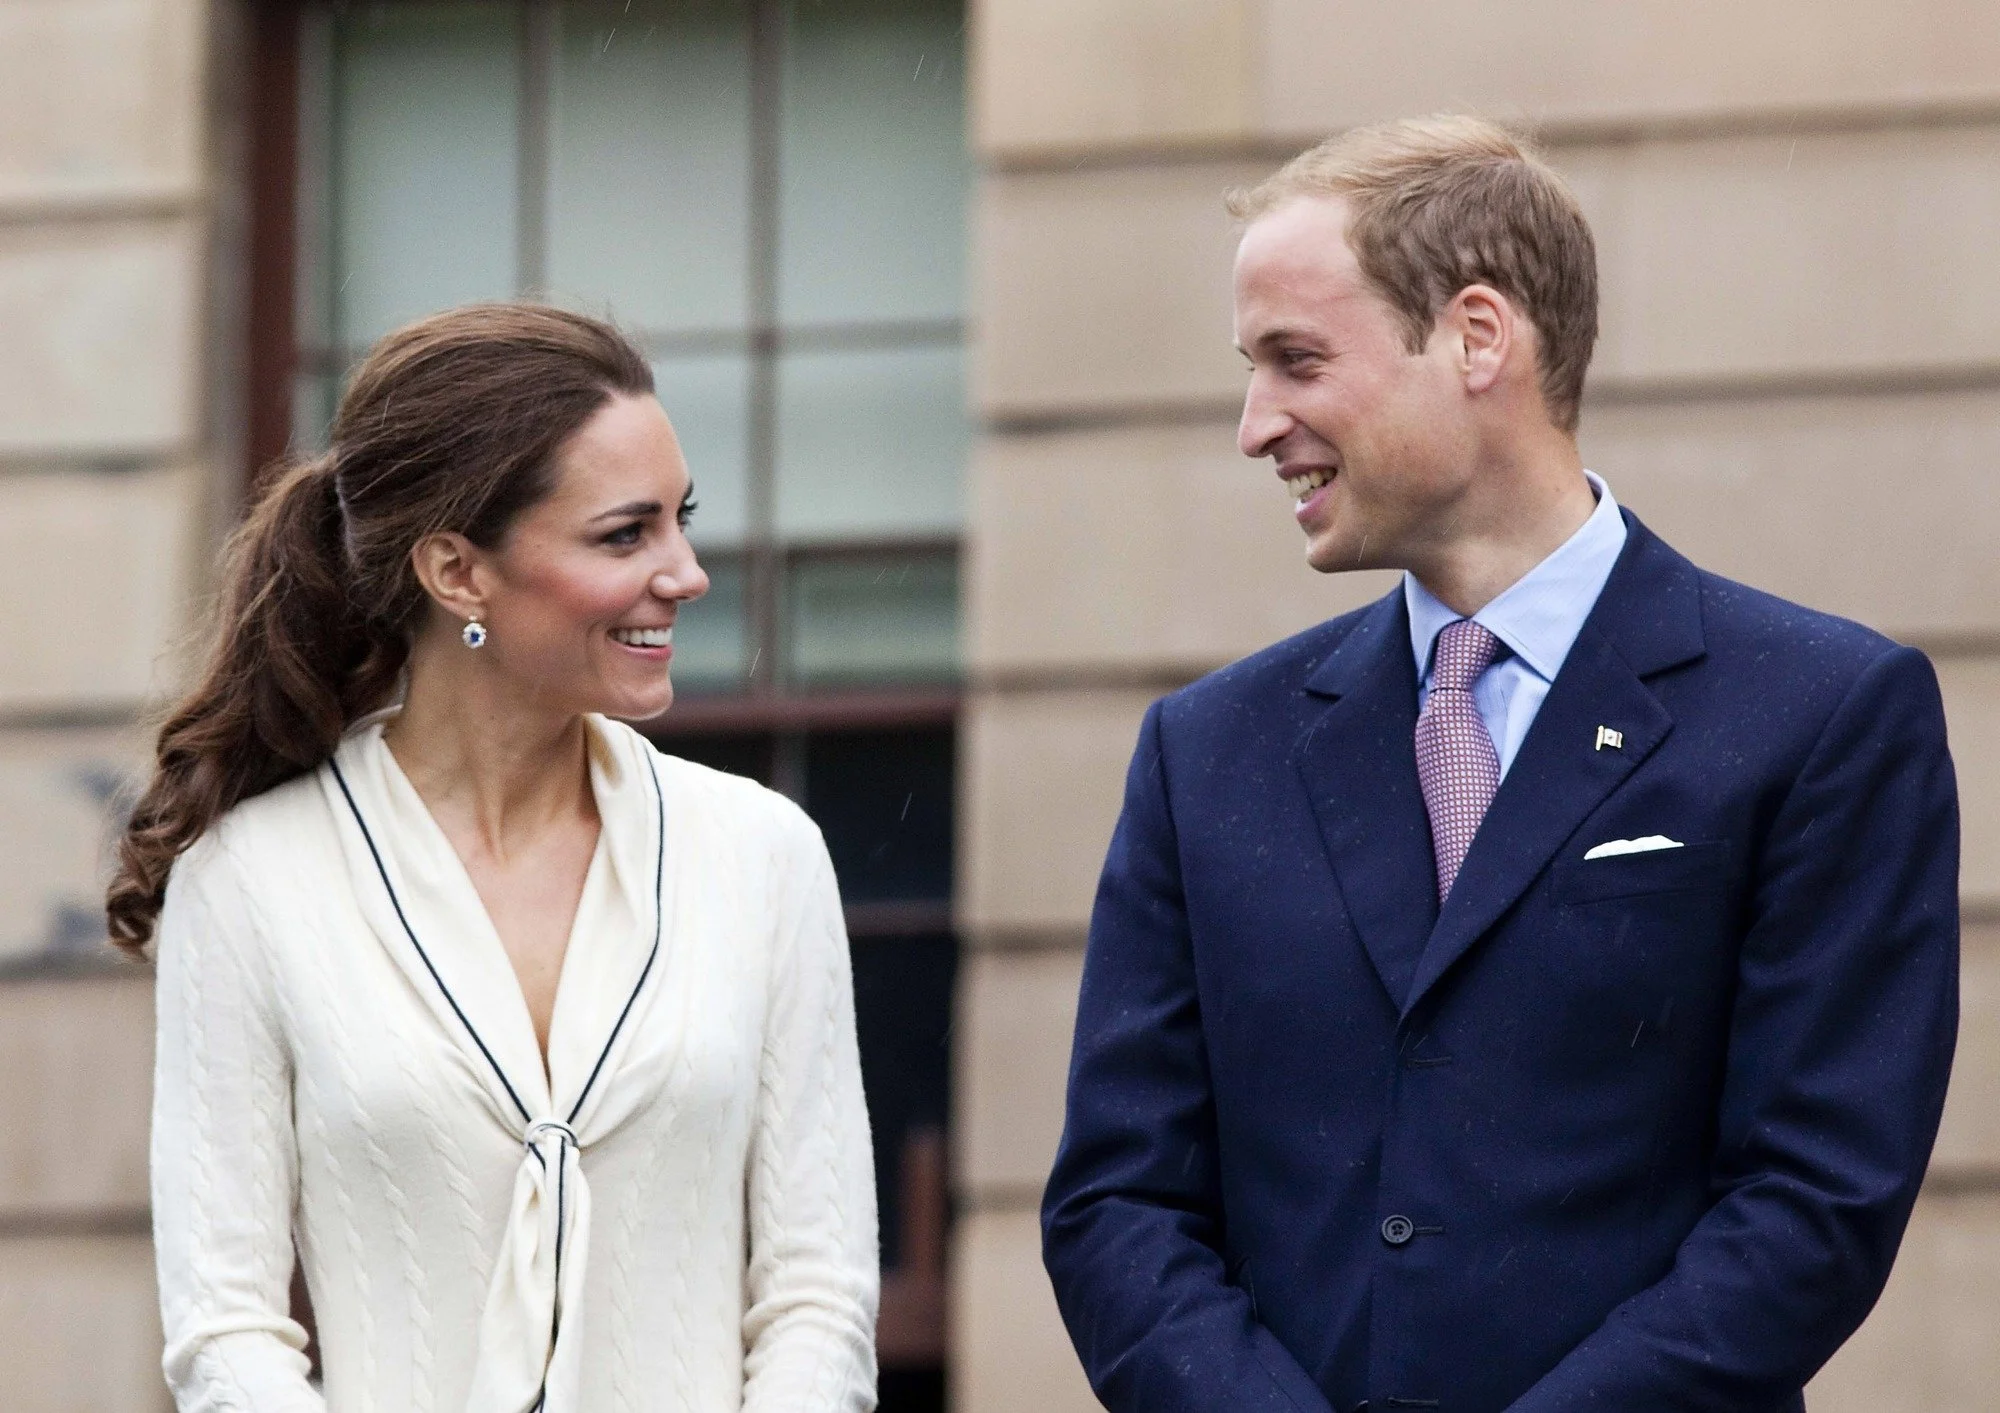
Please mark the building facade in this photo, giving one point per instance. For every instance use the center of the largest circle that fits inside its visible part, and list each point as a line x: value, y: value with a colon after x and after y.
x: 952, y: 353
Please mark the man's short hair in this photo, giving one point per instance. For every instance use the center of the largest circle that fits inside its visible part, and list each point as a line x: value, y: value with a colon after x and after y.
x: 1436, y: 204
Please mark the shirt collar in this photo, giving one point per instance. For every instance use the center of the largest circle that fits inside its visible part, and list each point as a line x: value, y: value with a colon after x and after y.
x: 1540, y: 614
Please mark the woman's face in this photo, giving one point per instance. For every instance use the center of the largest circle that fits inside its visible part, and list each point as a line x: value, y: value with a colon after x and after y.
x: 580, y: 597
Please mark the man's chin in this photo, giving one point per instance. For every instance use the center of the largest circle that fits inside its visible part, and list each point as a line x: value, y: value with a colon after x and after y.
x: 1336, y: 554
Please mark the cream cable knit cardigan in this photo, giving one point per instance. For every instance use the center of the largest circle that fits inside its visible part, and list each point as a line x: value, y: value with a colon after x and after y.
x: 368, y: 1084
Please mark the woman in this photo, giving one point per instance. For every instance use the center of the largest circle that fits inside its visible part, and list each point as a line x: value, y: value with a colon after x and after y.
x: 537, y: 1043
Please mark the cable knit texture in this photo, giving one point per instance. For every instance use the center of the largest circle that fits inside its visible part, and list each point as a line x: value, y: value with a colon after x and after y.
x: 316, y: 1087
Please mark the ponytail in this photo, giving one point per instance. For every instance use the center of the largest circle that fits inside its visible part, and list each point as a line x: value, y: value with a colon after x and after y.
x: 451, y: 423
x: 290, y: 667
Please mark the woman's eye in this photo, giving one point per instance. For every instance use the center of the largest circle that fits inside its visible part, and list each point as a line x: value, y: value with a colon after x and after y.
x: 625, y: 536
x: 688, y: 508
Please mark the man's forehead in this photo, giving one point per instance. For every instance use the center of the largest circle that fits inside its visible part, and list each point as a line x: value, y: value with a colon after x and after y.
x: 1300, y: 226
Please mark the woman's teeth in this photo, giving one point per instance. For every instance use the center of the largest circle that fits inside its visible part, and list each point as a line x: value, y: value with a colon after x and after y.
x: 1303, y: 485
x: 644, y: 637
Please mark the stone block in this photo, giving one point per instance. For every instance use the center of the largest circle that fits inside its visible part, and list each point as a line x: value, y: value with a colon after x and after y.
x: 1721, y: 258
x: 1016, y: 1015
x: 1878, y: 508
x: 80, y: 1322
x: 1009, y: 1350
x: 78, y: 1056
x: 95, y: 572
x: 1070, y: 74
x: 1928, y: 1346
x: 61, y: 795
x: 1041, y: 782
x: 1106, y: 290
x: 101, y: 100
x: 1971, y: 688
x: 1328, y: 64
x: 1185, y: 552
x: 1969, y: 1141
x: 104, y: 328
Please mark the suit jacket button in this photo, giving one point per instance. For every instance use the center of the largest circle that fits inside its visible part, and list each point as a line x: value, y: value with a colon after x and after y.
x: 1397, y: 1231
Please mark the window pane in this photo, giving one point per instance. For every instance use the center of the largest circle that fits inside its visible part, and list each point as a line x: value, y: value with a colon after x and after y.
x: 871, y: 443
x: 874, y: 618
x: 708, y: 401
x: 709, y: 638
x: 883, y: 801
x: 425, y: 161
x: 873, y: 167
x: 312, y: 412
x: 649, y: 194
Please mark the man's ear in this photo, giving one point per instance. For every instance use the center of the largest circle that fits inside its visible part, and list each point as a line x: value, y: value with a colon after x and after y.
x: 1487, y: 328
x: 447, y: 565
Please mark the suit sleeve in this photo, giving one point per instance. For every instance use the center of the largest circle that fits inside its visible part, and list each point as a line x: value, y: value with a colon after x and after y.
x: 1131, y: 1219
x: 1840, y: 1046
x: 225, y: 1164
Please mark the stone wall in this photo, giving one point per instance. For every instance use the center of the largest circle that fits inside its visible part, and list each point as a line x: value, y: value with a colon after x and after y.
x: 109, y: 465
x: 1798, y: 385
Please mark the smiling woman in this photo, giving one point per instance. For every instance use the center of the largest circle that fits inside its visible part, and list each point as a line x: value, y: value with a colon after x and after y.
x: 451, y: 961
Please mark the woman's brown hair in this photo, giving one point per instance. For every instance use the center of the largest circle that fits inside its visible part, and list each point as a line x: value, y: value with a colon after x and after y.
x: 452, y: 423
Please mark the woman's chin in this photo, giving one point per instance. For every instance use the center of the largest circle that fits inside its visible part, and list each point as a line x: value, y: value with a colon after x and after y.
x: 641, y: 705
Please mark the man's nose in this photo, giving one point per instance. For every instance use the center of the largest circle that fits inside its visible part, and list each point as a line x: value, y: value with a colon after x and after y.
x: 1264, y: 422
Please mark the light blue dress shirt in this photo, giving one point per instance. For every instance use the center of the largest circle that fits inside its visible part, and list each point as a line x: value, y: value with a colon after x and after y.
x: 1537, y: 617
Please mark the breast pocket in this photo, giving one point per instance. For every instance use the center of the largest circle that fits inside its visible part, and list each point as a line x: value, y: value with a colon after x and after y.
x: 1690, y: 868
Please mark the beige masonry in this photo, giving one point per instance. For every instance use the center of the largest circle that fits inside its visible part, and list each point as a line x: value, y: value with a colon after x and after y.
x: 112, y: 309
x: 107, y: 471
x: 95, y: 102
x: 98, y: 565
x: 1572, y: 61
x: 1069, y: 75
x: 56, y: 789
x: 79, y: 1321
x: 1727, y: 261
x: 78, y: 1056
x: 1053, y: 75
x: 1799, y: 386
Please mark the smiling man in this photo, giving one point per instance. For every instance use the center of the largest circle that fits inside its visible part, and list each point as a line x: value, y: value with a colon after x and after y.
x: 1534, y: 991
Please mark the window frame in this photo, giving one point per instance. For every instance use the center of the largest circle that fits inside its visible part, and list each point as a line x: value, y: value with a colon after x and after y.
x: 279, y: 151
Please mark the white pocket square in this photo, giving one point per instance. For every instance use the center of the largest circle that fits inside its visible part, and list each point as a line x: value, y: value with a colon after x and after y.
x: 1611, y: 848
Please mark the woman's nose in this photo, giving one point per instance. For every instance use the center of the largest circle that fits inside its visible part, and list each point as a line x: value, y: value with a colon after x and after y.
x: 683, y: 581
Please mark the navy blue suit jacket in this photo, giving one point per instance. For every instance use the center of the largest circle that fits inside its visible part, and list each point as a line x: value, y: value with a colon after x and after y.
x: 1634, y: 1133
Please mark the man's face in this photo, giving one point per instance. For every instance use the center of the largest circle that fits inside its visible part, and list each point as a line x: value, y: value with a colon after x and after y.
x: 1371, y: 440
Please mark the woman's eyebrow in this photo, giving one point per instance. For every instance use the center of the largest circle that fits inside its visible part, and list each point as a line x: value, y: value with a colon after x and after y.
x: 631, y: 507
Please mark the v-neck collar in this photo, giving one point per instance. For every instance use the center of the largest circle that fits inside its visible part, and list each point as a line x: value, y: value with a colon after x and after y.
x: 424, y: 906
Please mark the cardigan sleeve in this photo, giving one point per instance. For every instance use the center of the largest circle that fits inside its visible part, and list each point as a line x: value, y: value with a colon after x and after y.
x: 814, y: 1278
x: 225, y: 1160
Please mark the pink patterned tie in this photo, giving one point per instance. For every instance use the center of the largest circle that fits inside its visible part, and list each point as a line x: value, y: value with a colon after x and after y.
x: 1457, y: 766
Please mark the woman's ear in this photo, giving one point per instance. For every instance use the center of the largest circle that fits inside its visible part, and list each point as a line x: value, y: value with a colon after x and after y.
x: 447, y: 565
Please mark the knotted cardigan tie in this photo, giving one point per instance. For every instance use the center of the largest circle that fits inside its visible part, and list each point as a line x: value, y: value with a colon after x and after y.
x: 530, y: 1346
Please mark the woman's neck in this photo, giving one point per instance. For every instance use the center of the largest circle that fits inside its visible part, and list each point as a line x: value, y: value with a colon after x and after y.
x: 495, y: 771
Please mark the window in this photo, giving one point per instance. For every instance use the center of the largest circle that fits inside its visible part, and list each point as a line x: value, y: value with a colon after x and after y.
x: 769, y: 196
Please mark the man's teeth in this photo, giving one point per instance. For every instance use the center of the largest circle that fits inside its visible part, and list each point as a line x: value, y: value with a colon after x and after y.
x: 1307, y: 482
x: 644, y: 637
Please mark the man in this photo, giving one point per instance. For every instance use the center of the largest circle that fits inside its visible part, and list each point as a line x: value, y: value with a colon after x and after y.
x: 1534, y: 991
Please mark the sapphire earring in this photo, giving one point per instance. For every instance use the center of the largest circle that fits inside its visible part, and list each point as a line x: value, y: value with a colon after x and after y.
x: 474, y: 634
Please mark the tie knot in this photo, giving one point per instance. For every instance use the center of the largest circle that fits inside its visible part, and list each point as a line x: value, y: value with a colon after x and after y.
x: 1464, y: 650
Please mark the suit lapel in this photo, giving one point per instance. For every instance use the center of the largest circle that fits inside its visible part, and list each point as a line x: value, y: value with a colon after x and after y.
x: 1359, y: 770
x: 1647, y: 619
